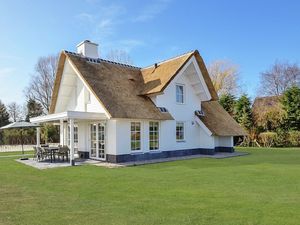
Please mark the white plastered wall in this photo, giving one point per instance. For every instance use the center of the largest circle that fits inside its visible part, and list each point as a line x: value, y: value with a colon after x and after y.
x: 224, y: 141
x: 195, y: 136
x: 74, y: 94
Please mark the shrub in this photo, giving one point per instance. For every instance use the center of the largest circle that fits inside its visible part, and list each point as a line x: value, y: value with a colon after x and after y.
x: 268, y: 139
x: 294, y: 138
x: 282, y: 138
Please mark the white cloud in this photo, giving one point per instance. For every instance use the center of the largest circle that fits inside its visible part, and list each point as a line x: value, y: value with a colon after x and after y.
x: 103, y: 23
x: 152, y: 10
x: 129, y: 44
x: 6, y: 71
x: 85, y: 17
x: 102, y: 27
x: 9, y: 57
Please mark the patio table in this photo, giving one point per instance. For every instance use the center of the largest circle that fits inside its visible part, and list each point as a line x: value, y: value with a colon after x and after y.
x: 52, y: 151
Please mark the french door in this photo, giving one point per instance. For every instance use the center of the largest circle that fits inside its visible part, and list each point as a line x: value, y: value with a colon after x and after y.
x: 97, y: 140
x: 75, y: 137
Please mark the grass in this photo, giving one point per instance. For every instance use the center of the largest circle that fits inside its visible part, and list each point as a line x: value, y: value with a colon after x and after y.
x: 261, y: 188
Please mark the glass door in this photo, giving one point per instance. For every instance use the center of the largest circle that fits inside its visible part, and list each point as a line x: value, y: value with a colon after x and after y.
x: 93, y: 140
x: 75, y: 137
x: 98, y: 140
x: 101, y: 140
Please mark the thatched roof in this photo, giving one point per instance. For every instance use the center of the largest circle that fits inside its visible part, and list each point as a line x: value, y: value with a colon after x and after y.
x: 122, y: 89
x: 115, y: 85
x: 157, y: 77
x: 218, y: 121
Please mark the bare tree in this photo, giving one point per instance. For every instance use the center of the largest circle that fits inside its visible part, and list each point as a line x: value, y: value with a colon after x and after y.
x: 224, y: 76
x: 278, y: 78
x: 42, y: 81
x: 119, y: 56
x: 15, y: 111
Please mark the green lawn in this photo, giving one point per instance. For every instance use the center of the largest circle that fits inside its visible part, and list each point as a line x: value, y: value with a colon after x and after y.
x: 15, y: 153
x: 261, y: 188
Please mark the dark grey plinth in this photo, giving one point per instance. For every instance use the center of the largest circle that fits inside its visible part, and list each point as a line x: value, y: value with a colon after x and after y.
x: 83, y: 155
x: 157, y: 155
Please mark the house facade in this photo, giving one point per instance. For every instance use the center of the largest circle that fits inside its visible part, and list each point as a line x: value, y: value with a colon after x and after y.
x: 118, y: 113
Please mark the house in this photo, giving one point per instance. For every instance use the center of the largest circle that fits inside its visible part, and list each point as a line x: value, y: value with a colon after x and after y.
x: 118, y: 113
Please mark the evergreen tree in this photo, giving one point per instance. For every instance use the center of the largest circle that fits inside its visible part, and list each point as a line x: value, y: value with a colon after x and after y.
x: 228, y: 102
x: 34, y: 109
x: 4, y: 115
x: 291, y: 105
x: 4, y: 119
x: 243, y: 113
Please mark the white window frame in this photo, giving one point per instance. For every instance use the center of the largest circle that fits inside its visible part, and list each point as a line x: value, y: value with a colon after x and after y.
x: 158, y: 134
x: 183, y: 139
x: 183, y: 93
x: 131, y: 132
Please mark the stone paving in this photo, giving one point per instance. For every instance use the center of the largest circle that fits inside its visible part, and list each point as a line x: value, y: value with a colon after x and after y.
x: 58, y: 164
x: 46, y: 164
x: 43, y: 164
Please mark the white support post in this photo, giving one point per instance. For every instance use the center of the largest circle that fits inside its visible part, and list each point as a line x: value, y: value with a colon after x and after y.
x: 65, y: 133
x: 38, y: 137
x: 72, y: 162
x: 61, y: 132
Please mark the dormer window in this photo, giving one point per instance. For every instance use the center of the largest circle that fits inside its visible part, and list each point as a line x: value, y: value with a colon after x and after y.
x: 179, y: 93
x: 162, y: 109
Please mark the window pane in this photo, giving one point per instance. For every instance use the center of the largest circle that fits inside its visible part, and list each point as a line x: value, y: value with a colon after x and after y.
x: 179, y: 93
x: 138, y: 145
x: 135, y: 136
x: 132, y: 145
x: 180, y: 131
x: 153, y: 135
x: 132, y: 127
x: 138, y: 127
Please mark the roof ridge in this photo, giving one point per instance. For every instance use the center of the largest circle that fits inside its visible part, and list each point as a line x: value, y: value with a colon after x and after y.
x: 169, y: 59
x: 98, y: 60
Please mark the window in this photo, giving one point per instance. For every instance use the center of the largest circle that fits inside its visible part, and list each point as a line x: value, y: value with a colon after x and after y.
x: 135, y: 136
x: 179, y: 131
x: 163, y: 109
x: 153, y: 135
x: 179, y: 93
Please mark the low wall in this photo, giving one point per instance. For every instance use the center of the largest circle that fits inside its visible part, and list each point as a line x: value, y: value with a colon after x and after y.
x: 16, y: 148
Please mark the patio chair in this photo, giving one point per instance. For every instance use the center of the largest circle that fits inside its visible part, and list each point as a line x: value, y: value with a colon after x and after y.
x: 45, y: 153
x: 63, y: 151
x: 39, y: 153
x: 35, y: 153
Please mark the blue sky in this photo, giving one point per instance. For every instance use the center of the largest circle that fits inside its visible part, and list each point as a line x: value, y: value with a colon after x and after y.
x: 251, y: 34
